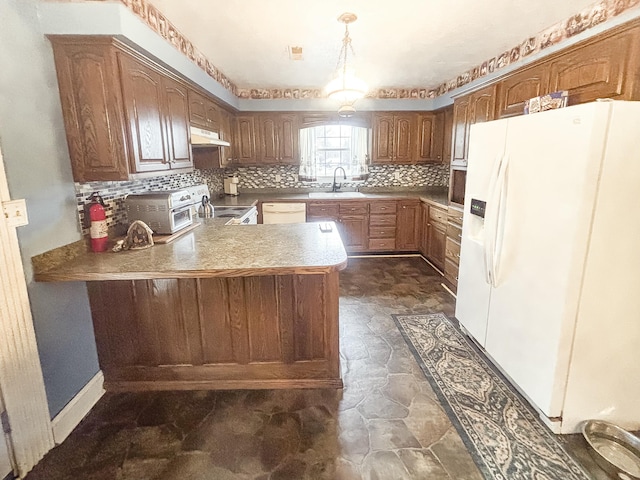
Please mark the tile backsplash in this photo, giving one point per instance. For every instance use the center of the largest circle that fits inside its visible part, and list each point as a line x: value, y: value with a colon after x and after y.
x: 113, y: 193
x: 380, y: 176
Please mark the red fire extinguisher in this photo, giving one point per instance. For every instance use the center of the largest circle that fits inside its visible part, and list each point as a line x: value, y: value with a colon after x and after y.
x: 98, y: 227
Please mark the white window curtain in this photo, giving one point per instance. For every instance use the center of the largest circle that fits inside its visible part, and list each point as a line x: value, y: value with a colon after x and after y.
x: 358, y: 162
x: 308, y: 169
x: 360, y: 157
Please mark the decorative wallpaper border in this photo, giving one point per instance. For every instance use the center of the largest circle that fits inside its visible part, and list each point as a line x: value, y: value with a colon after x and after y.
x: 596, y: 14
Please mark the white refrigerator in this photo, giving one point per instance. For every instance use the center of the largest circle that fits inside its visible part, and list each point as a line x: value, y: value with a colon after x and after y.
x: 549, y: 279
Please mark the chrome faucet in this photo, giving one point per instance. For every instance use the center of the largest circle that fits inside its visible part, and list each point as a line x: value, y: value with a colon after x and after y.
x: 335, y: 187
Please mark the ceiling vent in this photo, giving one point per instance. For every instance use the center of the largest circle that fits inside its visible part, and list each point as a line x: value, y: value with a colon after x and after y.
x: 295, y: 53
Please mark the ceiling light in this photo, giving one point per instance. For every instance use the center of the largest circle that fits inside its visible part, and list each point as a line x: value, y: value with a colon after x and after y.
x: 346, y: 87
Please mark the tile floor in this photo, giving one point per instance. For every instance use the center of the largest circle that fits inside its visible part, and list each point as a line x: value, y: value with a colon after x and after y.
x: 385, y: 424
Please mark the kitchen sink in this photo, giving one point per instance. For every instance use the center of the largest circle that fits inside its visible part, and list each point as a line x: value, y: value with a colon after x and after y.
x: 336, y: 195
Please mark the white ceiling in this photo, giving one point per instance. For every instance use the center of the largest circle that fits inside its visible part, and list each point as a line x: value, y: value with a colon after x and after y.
x: 402, y: 43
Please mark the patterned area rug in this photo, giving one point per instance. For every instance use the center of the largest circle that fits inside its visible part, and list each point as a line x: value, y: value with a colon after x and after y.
x: 504, y: 435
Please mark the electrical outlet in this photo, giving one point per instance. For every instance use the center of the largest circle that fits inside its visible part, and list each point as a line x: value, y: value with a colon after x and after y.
x: 15, y: 211
x: 396, y: 175
x: 278, y: 177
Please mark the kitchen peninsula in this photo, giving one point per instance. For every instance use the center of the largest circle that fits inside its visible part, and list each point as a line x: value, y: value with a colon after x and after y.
x: 218, y: 308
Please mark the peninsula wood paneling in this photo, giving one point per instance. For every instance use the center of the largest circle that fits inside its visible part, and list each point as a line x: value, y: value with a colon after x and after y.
x: 237, y: 332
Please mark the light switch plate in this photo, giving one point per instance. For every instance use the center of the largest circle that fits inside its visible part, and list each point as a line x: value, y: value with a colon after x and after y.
x: 15, y: 211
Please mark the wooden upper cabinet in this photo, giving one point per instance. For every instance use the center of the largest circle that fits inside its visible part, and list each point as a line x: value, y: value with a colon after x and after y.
x: 277, y: 138
x: 600, y: 69
x: 177, y: 124
x: 404, y: 138
x: 92, y: 110
x: 516, y: 89
x: 197, y: 109
x: 123, y: 114
x: 268, y: 139
x: 203, y: 112
x: 476, y: 107
x: 430, y: 137
x: 394, y: 137
x: 447, y: 134
x: 142, y: 91
x: 244, y: 148
x: 382, y: 138
x: 461, y: 122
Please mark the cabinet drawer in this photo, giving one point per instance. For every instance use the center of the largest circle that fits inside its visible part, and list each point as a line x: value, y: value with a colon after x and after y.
x: 437, y: 215
x: 382, y: 207
x: 451, y: 272
x: 353, y: 209
x: 454, y: 232
x: 382, y: 244
x: 382, y: 220
x: 452, y: 251
x: 455, y: 215
x: 323, y: 209
x: 382, y: 232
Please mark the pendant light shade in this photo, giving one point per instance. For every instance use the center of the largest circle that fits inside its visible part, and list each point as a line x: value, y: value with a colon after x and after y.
x: 345, y: 87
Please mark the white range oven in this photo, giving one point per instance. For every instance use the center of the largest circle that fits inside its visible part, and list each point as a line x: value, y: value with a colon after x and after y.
x: 237, y: 215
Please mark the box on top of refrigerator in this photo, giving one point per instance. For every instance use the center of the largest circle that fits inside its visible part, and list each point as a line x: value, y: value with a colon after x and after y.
x: 551, y: 101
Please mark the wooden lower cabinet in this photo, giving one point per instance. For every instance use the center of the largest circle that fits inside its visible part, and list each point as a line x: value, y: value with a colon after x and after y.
x: 408, y: 229
x: 354, y: 231
x: 274, y: 331
x: 382, y: 226
x: 452, y: 246
x: 436, y: 234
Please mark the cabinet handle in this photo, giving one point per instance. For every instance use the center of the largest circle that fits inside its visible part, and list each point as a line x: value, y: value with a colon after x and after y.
x: 428, y: 224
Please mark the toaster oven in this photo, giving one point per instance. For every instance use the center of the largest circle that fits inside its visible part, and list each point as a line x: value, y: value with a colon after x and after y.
x: 165, y: 212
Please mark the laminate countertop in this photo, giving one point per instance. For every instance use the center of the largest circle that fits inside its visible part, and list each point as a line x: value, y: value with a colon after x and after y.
x: 212, y: 250
x: 250, y: 197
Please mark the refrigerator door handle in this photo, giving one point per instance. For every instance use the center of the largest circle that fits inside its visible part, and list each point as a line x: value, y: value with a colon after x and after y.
x: 498, y: 231
x: 491, y: 219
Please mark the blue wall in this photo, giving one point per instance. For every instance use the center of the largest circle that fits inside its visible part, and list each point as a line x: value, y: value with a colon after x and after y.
x: 38, y: 168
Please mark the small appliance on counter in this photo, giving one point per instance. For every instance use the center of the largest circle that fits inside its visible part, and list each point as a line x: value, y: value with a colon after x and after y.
x: 231, y: 185
x: 165, y: 212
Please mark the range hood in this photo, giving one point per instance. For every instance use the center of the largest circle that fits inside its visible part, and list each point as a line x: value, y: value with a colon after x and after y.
x: 206, y: 138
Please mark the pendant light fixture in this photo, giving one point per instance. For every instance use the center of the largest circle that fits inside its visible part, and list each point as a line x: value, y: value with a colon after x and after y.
x: 346, y: 87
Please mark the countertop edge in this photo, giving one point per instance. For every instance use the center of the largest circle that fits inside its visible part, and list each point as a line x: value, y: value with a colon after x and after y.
x: 52, y: 276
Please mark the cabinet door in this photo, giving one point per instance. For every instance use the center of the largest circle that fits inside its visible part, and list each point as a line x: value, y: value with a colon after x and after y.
x: 424, y: 220
x: 225, y: 153
x: 244, y: 151
x: 213, y: 116
x: 143, y: 96
x: 177, y: 124
x: 354, y: 232
x: 404, y: 138
x: 598, y: 70
x: 482, y: 105
x: 408, y: 218
x: 429, y: 145
x: 516, y: 89
x: 447, y: 134
x: 92, y: 111
x: 461, y: 122
x: 382, y: 138
x: 436, y: 243
x: 267, y: 139
x: 288, y: 139
x: 197, y: 109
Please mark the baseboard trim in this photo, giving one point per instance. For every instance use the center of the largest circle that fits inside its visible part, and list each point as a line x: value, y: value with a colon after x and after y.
x: 74, y: 411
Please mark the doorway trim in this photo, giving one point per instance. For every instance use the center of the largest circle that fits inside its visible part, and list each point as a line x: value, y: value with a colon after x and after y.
x: 21, y: 380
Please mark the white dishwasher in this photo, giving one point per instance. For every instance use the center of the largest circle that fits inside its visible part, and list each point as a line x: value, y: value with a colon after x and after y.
x: 284, y: 212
